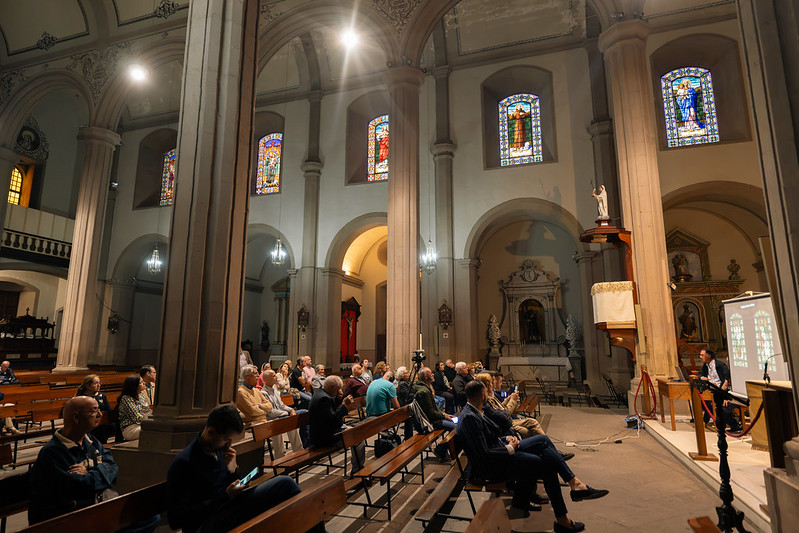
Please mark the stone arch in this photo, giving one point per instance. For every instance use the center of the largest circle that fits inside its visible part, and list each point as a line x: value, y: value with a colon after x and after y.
x: 348, y: 233
x: 305, y: 18
x: 521, y: 209
x: 254, y: 231
x: 114, y: 97
x: 130, y: 259
x: 19, y: 106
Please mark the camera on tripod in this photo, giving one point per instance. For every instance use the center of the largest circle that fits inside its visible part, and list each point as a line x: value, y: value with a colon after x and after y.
x: 418, y: 357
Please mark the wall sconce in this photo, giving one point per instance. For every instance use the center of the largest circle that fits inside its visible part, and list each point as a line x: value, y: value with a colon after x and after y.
x: 444, y: 316
x: 303, y: 319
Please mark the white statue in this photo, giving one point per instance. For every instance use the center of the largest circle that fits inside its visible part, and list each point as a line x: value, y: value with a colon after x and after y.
x: 572, y: 332
x: 493, y: 334
x: 601, y: 202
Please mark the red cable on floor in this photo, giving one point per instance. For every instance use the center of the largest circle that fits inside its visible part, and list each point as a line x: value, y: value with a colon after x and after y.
x: 729, y: 433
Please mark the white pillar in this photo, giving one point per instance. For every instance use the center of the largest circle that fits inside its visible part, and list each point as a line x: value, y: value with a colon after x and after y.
x: 78, y: 343
x: 624, y: 46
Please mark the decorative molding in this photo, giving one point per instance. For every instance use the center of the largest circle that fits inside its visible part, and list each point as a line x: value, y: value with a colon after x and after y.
x: 398, y: 12
x: 267, y: 13
x: 9, y: 83
x: 97, y: 66
x: 46, y: 41
x: 32, y: 141
x: 166, y: 9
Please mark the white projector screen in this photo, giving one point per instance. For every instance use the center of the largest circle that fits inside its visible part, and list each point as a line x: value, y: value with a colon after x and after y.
x: 752, y: 340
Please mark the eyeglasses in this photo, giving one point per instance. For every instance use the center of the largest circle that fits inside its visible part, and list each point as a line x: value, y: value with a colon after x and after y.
x: 92, y: 411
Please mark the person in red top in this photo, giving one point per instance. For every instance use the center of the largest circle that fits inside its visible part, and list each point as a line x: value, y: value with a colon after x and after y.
x: 356, y: 385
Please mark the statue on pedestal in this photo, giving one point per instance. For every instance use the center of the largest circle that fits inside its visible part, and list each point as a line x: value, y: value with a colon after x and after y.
x: 601, y: 202
x: 493, y: 334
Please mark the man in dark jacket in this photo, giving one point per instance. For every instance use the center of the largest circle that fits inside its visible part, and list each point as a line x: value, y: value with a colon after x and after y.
x: 449, y: 370
x: 718, y: 374
x: 202, y: 481
x: 356, y: 385
x: 326, y: 415
x: 459, y: 383
x: 423, y: 393
x: 7, y: 376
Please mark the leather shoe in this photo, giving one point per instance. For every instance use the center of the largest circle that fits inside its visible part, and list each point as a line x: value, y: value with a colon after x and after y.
x: 587, y: 493
x: 575, y: 526
x: 540, y: 500
x: 567, y: 456
x: 527, y: 509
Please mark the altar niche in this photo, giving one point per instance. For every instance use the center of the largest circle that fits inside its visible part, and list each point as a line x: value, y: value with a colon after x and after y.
x: 530, y: 314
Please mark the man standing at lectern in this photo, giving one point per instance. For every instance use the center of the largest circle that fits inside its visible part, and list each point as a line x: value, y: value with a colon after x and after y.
x: 718, y: 374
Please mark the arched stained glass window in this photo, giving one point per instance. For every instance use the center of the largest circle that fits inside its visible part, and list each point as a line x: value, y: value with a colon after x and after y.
x: 765, y: 340
x: 737, y: 345
x: 15, y: 188
x: 267, y: 179
x: 690, y: 108
x: 520, y: 130
x: 377, y: 154
x: 168, y: 177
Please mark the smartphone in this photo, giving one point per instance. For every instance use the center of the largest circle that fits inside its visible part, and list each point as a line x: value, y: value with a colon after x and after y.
x: 249, y: 477
x: 516, y: 388
x: 454, y: 419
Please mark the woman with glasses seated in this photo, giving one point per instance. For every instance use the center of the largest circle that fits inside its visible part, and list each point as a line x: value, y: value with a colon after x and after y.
x: 91, y: 388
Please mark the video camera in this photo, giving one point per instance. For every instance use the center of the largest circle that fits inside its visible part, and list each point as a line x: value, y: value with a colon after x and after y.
x: 418, y: 357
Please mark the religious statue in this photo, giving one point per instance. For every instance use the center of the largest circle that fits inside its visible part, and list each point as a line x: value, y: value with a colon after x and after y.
x: 494, y: 334
x: 682, y: 271
x: 572, y: 334
x: 601, y: 202
x: 265, y: 336
x: 689, y: 329
x: 733, y: 269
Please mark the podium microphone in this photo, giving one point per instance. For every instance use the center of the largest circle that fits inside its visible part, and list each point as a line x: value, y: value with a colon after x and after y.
x: 766, y: 377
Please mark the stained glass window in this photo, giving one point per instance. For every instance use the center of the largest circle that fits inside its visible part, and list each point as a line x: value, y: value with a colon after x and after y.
x: 520, y: 130
x: 737, y: 345
x: 377, y: 158
x: 15, y: 189
x: 765, y: 341
x: 168, y: 177
x: 267, y: 179
x: 690, y: 107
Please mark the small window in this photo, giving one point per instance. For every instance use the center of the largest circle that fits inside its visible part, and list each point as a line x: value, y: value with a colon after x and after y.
x: 270, y: 148
x: 520, y: 130
x: 168, y: 177
x: 689, y: 106
x: 377, y: 154
x: 15, y: 189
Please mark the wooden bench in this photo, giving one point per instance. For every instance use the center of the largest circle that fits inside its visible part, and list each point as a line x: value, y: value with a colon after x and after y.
x: 301, y: 512
x: 11, y: 443
x: 703, y: 524
x: 392, y: 463
x: 491, y: 517
x: 111, y: 515
x: 444, y: 490
x: 16, y: 493
x: 495, y: 487
x: 296, y: 460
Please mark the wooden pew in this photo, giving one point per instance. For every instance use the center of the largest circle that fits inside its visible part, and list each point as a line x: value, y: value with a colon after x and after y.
x: 16, y: 493
x: 491, y: 517
x: 301, y: 512
x: 393, y: 462
x: 442, y: 493
x: 111, y: 515
x: 297, y: 460
x: 496, y: 488
x: 530, y: 407
x: 703, y: 524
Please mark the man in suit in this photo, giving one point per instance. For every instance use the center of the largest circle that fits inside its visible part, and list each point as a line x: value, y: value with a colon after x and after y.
x: 462, y: 377
x: 496, y: 458
x: 326, y: 418
x: 718, y: 374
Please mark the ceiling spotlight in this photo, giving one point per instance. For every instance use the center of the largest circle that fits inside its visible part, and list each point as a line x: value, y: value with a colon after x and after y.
x: 349, y: 38
x: 138, y: 73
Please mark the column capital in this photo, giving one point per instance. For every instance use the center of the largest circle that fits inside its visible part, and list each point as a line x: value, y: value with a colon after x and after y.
x: 441, y: 71
x: 292, y: 272
x: 312, y: 167
x: 121, y: 283
x: 333, y: 272
x: 583, y: 257
x: 396, y: 77
x: 601, y: 127
x: 468, y: 263
x: 99, y: 135
x: 443, y: 149
x: 9, y: 154
x: 315, y: 96
x: 632, y: 31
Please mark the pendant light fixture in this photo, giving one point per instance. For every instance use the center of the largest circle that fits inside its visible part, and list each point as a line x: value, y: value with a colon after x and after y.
x: 154, y: 263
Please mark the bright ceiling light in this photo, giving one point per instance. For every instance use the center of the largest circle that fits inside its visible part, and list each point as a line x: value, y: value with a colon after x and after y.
x: 138, y: 73
x: 349, y: 38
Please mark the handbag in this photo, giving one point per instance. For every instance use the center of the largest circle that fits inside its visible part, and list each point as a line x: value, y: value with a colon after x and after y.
x: 421, y: 423
x: 386, y: 441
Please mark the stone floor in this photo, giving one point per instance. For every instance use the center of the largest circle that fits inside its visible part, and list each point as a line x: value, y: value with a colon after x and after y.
x: 652, y: 488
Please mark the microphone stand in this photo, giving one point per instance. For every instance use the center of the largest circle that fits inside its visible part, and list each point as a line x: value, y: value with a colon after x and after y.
x: 729, y: 518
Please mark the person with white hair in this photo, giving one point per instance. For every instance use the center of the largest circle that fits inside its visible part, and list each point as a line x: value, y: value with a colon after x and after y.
x: 319, y: 377
x: 462, y: 377
x: 249, y: 400
x: 279, y: 410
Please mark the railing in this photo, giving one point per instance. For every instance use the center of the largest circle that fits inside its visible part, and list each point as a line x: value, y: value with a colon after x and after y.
x: 37, y: 236
x: 25, y: 242
x: 693, y: 351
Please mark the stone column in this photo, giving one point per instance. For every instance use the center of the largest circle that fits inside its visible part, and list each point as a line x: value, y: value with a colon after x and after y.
x: 592, y: 362
x: 403, y: 215
x: 198, y: 358
x: 328, y: 302
x: 624, y: 46
x: 119, y: 296
x: 78, y: 343
x: 464, y: 310
x: 8, y: 160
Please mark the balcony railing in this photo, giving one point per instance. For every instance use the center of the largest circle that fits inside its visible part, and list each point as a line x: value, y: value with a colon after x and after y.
x: 36, y: 236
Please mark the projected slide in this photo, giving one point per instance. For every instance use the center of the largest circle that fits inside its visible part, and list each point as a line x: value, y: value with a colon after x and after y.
x: 753, y: 340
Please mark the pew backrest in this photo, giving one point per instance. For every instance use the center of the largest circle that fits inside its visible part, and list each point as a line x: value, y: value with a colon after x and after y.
x: 371, y: 427
x: 278, y: 426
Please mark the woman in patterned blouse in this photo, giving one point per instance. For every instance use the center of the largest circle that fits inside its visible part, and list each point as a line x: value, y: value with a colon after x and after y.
x: 131, y: 409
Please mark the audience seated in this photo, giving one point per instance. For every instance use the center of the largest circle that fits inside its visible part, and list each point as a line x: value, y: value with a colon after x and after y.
x: 279, y: 410
x: 316, y: 382
x: 526, y: 427
x: 91, y: 388
x: 73, y: 470
x: 462, y: 377
x: 297, y: 381
x: 449, y: 370
x: 147, y: 374
x: 381, y: 395
x: 443, y: 388
x: 367, y: 373
x: 132, y: 409
x: 326, y: 418
x: 380, y: 369
x: 284, y: 378
x: 7, y: 377
x: 423, y: 393
x: 405, y: 397
x: 356, y: 385
x: 202, y: 481
x: 250, y: 401
x: 308, y: 370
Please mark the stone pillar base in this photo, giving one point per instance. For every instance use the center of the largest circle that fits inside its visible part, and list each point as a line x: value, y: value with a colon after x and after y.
x: 782, y: 490
x: 169, y: 434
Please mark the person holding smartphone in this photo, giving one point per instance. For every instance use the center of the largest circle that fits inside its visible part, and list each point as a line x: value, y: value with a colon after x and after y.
x: 204, y: 490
